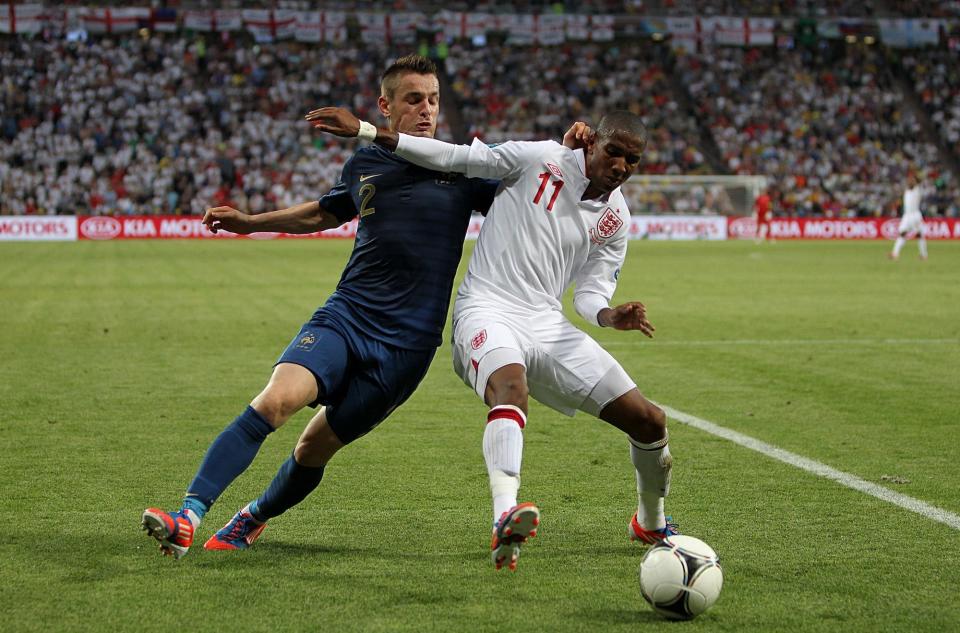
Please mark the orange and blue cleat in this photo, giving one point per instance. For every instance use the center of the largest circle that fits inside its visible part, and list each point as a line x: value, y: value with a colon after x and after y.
x: 173, y: 530
x: 512, y: 530
x: 638, y: 533
x: 239, y: 533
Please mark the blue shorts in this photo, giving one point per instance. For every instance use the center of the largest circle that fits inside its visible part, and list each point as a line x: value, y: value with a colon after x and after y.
x: 360, y: 380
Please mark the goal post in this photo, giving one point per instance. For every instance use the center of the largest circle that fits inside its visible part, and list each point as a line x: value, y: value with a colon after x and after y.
x: 655, y: 194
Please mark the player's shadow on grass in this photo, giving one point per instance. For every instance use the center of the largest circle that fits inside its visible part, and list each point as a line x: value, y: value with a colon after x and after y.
x: 312, y: 548
x: 269, y: 552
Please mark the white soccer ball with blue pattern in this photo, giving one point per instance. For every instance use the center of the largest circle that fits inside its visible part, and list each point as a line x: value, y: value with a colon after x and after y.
x: 681, y: 577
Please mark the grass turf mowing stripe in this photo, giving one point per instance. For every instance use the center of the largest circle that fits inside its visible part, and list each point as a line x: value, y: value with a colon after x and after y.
x: 812, y: 466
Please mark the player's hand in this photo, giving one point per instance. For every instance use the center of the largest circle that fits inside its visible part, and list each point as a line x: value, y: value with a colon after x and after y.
x: 227, y: 219
x: 578, y: 136
x: 336, y: 121
x: 628, y: 316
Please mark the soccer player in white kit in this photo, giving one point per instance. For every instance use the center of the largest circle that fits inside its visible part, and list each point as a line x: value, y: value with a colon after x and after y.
x: 559, y: 219
x: 912, y: 220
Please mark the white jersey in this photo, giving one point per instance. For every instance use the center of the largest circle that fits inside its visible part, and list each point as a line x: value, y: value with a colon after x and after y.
x: 539, y: 237
x: 911, y: 201
x: 912, y: 220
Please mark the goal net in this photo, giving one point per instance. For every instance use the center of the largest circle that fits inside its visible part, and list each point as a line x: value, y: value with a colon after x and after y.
x: 649, y: 194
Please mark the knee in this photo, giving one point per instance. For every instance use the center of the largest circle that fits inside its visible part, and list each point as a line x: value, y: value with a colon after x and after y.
x: 275, y: 408
x: 509, y: 390
x: 650, y: 423
x: 653, y: 418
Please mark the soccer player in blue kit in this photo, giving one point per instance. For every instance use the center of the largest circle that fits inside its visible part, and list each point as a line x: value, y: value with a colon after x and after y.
x: 364, y: 352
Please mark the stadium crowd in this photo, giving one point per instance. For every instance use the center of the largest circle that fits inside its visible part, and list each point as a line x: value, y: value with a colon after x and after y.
x: 523, y: 93
x: 936, y: 77
x: 175, y: 123
x: 170, y: 124
x: 826, y: 124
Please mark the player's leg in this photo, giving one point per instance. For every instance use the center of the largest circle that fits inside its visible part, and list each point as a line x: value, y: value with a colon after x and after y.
x: 387, y: 379
x: 761, y: 232
x: 290, y: 388
x: 922, y: 241
x: 905, y: 228
x: 293, y: 385
x: 645, y: 426
x: 487, y: 354
x: 898, y: 246
x: 297, y: 477
x: 506, y: 395
x: 579, y: 374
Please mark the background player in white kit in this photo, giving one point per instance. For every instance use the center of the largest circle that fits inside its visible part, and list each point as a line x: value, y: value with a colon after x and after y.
x: 558, y: 219
x: 912, y: 220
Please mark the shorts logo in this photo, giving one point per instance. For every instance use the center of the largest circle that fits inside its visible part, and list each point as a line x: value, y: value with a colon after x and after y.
x: 555, y: 170
x: 306, y: 341
x: 478, y: 339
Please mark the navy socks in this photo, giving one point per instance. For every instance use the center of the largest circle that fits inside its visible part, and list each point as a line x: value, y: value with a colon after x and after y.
x: 229, y: 455
x: 291, y: 485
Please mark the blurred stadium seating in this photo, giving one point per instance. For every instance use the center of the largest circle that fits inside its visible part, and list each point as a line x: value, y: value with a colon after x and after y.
x: 145, y: 122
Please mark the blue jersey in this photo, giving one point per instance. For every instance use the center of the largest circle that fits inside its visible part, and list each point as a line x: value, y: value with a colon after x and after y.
x: 396, y: 286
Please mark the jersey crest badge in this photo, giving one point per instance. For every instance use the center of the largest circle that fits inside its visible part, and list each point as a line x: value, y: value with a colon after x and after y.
x: 608, y: 224
x: 306, y: 341
x: 555, y: 170
x: 478, y: 339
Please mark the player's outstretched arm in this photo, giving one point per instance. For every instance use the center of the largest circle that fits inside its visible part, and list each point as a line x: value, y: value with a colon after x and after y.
x: 476, y: 160
x: 308, y: 217
x: 342, y: 122
x: 627, y: 316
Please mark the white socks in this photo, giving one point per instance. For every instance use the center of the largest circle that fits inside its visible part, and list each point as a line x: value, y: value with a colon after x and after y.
x: 653, y: 463
x: 899, y: 245
x: 503, y: 452
x: 921, y: 242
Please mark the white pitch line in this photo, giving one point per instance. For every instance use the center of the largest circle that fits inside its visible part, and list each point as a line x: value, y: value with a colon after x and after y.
x: 806, y: 342
x: 811, y: 466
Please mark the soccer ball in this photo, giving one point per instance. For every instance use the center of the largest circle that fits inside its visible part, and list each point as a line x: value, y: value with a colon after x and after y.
x: 680, y: 577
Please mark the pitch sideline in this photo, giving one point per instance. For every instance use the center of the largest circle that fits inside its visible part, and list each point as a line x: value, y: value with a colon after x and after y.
x: 822, y: 470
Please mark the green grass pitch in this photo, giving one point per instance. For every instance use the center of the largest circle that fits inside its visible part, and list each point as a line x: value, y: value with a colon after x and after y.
x: 122, y: 361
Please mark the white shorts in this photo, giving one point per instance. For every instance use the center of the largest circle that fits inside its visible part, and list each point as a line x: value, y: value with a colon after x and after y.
x: 566, y: 369
x: 911, y: 223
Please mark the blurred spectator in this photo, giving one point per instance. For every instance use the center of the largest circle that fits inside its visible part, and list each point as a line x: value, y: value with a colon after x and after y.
x: 528, y: 93
x: 827, y: 125
x: 173, y: 125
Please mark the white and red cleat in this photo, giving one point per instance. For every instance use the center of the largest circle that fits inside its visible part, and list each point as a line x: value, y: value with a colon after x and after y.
x: 639, y: 533
x: 514, y: 528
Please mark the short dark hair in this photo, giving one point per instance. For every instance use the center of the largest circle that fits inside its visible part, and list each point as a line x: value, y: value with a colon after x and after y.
x: 622, y: 121
x: 407, y: 64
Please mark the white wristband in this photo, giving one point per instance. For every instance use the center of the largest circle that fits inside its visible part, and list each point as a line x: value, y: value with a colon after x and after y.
x: 368, y: 131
